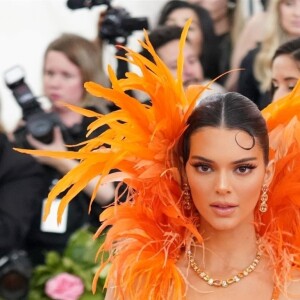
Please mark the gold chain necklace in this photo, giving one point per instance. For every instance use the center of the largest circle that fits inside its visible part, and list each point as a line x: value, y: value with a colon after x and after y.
x: 223, y: 282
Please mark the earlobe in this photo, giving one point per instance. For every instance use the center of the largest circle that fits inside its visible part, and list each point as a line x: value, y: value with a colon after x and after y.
x: 270, y: 170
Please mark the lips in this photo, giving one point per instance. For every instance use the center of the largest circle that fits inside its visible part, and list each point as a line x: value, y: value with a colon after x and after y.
x: 223, y: 209
x: 54, y: 97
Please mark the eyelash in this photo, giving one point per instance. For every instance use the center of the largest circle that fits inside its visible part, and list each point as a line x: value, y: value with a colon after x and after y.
x: 248, y: 167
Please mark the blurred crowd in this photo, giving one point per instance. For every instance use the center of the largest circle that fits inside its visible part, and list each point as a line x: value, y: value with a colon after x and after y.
x: 259, y: 40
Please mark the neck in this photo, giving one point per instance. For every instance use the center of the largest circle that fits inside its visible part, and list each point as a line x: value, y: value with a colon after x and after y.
x: 69, y: 118
x: 221, y: 26
x: 227, y: 251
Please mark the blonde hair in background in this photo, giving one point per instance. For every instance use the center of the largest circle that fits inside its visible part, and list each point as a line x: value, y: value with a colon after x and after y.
x: 242, y: 13
x: 274, y: 37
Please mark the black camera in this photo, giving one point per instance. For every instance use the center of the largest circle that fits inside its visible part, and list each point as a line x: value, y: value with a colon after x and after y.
x: 39, y: 124
x: 15, y: 275
x: 116, y: 23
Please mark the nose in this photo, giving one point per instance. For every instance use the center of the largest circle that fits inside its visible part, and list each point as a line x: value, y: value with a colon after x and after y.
x: 279, y: 93
x: 188, y: 70
x: 223, y: 186
x: 52, y: 81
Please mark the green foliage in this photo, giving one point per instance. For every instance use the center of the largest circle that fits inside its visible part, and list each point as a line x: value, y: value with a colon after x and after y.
x: 78, y: 259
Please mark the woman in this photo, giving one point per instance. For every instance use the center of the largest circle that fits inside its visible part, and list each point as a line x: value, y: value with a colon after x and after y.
x: 197, y: 222
x: 285, y: 69
x: 222, y: 13
x: 69, y: 61
x: 282, y: 25
x: 20, y: 190
x: 224, y: 188
x: 201, y: 33
x: 238, y: 25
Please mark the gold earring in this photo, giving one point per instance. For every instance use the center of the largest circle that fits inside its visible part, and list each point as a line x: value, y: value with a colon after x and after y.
x: 264, y: 199
x: 186, y: 197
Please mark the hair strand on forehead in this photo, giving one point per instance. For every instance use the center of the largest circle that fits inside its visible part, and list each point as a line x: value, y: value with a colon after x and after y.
x: 231, y: 111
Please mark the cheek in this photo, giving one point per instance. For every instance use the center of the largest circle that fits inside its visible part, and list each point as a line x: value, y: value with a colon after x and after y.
x: 286, y: 14
x: 277, y: 95
x: 74, y: 92
x: 195, y: 38
x: 250, y: 190
x: 201, y: 188
x: 285, y: 25
x: 280, y: 92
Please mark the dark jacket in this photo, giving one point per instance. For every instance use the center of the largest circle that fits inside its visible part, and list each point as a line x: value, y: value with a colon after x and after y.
x: 39, y: 241
x: 247, y: 83
x: 20, y: 192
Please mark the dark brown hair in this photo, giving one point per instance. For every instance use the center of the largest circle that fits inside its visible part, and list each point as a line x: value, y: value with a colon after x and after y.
x: 232, y: 111
x: 210, y: 52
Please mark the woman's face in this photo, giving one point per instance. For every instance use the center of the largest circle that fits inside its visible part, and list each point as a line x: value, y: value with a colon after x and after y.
x: 285, y: 74
x: 225, y: 180
x: 179, y: 17
x: 289, y: 11
x: 62, y: 80
x: 192, y: 68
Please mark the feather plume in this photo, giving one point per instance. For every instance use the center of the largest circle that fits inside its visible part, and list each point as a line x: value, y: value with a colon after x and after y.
x: 148, y: 230
x: 282, y: 220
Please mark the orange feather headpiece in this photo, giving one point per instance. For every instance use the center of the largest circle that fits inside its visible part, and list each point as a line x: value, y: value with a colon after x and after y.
x: 282, y: 220
x: 149, y: 229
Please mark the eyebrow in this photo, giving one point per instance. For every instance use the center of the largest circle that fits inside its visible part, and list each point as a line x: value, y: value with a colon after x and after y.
x: 286, y: 78
x: 290, y: 78
x: 247, y: 159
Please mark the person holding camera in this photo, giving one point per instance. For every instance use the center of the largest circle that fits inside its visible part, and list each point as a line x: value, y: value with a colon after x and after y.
x: 20, y: 181
x: 20, y: 190
x: 69, y: 61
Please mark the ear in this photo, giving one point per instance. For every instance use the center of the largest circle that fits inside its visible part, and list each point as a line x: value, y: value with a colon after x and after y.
x: 270, y: 170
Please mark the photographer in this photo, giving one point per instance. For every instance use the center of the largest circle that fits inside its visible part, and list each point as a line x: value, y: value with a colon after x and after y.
x: 69, y: 61
x: 20, y: 192
x: 115, y: 25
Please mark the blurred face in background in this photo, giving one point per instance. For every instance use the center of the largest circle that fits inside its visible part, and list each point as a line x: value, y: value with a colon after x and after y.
x: 62, y: 80
x: 179, y: 17
x: 285, y: 74
x: 289, y: 11
x: 192, y: 68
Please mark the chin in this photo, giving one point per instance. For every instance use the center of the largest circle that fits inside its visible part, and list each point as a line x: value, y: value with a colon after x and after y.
x: 225, y: 224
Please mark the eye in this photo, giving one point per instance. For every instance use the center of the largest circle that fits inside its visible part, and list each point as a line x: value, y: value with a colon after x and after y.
x: 67, y: 75
x: 291, y: 86
x: 203, y: 168
x: 288, y: 2
x: 245, y: 169
x: 48, y: 73
x: 274, y: 86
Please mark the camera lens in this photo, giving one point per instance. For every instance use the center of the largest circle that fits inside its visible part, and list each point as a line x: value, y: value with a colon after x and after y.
x: 41, y: 127
x: 13, y: 285
x: 15, y: 274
